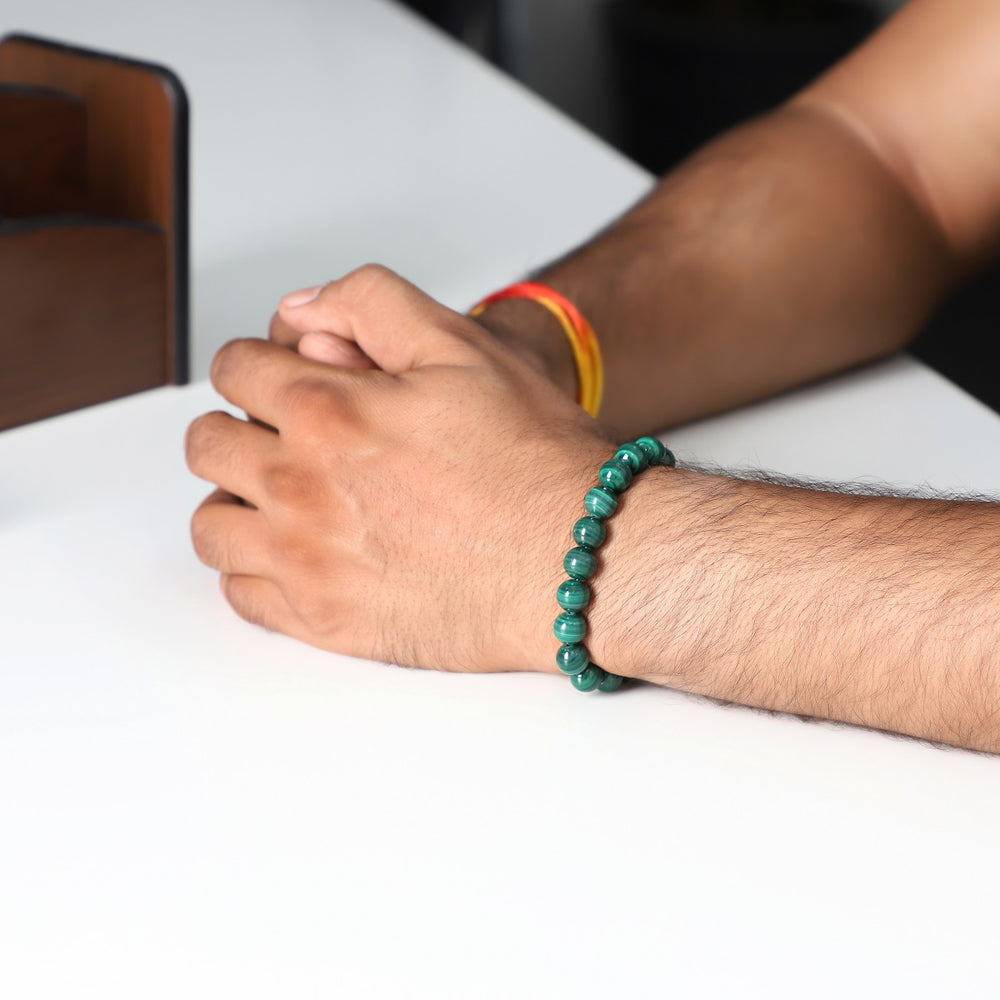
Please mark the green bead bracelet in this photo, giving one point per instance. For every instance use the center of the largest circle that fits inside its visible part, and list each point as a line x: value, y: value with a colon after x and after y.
x: 580, y: 563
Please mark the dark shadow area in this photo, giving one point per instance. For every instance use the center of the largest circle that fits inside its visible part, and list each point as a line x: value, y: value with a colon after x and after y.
x: 686, y: 70
x: 475, y: 22
x: 961, y: 340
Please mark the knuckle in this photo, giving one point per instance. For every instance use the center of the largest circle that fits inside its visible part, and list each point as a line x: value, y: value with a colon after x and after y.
x: 297, y: 554
x: 319, y: 616
x: 368, y: 280
x: 313, y: 401
x: 290, y: 486
x: 230, y: 357
x: 371, y: 275
x: 203, y: 435
x: 237, y: 593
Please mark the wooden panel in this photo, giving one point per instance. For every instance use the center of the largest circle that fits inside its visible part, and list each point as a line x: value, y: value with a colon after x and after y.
x: 83, y: 308
x: 129, y: 124
x: 136, y: 157
x: 42, y: 152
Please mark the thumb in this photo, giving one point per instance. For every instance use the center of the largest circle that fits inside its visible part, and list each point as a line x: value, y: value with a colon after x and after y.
x: 393, y: 323
x: 317, y: 345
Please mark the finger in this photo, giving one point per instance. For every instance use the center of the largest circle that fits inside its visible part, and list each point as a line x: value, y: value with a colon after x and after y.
x: 231, y: 453
x: 260, y: 377
x: 329, y: 349
x: 280, y: 331
x: 394, y: 324
x: 229, y: 536
x: 260, y: 602
x: 319, y: 345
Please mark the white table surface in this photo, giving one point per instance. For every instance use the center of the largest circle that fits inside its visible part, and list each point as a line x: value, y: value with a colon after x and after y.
x: 190, y: 807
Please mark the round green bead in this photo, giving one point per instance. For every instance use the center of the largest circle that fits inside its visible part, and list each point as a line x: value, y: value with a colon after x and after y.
x: 581, y: 564
x: 615, y: 474
x: 588, y: 679
x: 653, y: 448
x: 570, y: 627
x: 589, y: 532
x: 611, y: 682
x: 600, y: 502
x: 667, y: 458
x: 572, y: 658
x: 633, y: 456
x: 573, y: 595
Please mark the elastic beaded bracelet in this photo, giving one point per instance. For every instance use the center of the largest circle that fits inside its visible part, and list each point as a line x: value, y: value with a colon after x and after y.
x: 580, y: 563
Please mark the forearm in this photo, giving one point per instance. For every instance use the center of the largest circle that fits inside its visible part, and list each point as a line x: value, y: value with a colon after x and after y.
x: 879, y: 611
x: 386, y: 505
x: 780, y: 253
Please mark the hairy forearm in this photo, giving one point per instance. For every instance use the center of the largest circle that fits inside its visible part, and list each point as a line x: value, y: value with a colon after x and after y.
x: 875, y: 610
x: 880, y: 611
x: 780, y: 253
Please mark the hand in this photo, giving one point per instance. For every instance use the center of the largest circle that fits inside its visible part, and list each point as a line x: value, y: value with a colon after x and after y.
x: 525, y: 327
x: 416, y: 511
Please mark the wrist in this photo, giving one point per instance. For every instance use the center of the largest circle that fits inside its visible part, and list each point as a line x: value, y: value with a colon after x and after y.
x: 632, y: 591
x: 607, y: 638
x: 534, y: 334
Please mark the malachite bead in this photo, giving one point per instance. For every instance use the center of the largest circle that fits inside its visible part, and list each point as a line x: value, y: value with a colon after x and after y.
x: 633, y: 456
x: 581, y: 564
x: 615, y: 474
x: 573, y: 595
x: 570, y: 627
x: 588, y: 679
x: 653, y: 448
x: 589, y: 532
x: 611, y: 682
x: 600, y: 502
x: 572, y: 658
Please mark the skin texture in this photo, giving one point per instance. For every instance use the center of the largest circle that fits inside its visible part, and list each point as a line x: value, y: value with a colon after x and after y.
x: 409, y: 477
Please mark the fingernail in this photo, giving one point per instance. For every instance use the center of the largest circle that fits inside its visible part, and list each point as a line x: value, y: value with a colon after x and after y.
x: 302, y: 297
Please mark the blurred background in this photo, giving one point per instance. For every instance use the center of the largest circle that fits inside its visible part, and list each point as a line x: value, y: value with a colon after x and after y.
x: 656, y: 78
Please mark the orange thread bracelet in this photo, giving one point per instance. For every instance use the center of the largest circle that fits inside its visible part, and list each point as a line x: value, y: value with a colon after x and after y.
x: 581, y: 336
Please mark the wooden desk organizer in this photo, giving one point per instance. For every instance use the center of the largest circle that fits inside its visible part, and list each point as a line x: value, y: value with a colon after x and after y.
x: 93, y: 228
